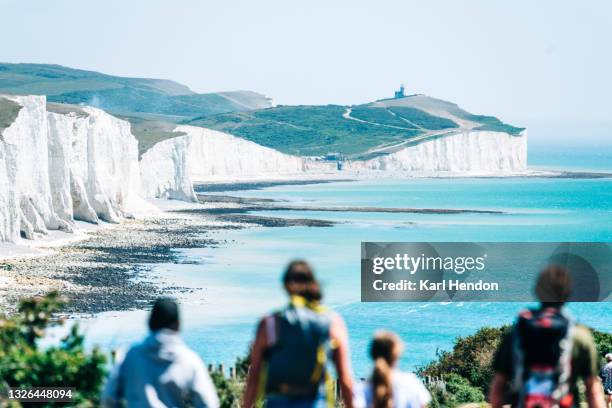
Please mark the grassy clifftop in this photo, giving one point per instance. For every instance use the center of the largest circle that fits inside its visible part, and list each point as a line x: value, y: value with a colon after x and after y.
x: 306, y: 130
x: 134, y: 96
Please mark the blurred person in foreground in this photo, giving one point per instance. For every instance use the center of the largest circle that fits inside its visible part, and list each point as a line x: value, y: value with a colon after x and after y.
x: 388, y: 387
x: 606, y: 378
x: 161, y: 371
x: 545, y: 354
x: 292, y: 347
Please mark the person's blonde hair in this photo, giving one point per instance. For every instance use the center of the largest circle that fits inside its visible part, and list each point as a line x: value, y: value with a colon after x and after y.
x: 385, y: 349
x: 609, y: 357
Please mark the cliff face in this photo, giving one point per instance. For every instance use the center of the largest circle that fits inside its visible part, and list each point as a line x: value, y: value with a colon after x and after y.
x: 220, y: 155
x: 165, y: 170
x: 469, y: 152
x: 58, y: 167
x: 61, y: 163
x: 169, y: 168
x: 26, y: 147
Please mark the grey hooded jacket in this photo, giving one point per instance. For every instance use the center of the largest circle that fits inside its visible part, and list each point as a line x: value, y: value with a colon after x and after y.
x: 160, y: 372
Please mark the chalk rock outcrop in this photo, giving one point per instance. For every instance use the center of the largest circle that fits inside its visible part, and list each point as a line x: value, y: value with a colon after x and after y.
x: 469, y: 152
x: 58, y: 166
x: 169, y: 168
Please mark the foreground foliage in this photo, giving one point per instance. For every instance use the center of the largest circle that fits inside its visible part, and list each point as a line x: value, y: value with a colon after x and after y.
x: 467, y: 368
x: 25, y: 363
x: 230, y: 390
x: 470, y: 358
x: 456, y: 391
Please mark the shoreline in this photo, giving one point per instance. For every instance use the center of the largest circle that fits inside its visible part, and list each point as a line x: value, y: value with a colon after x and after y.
x: 107, y: 267
x: 238, y: 185
x: 224, y: 184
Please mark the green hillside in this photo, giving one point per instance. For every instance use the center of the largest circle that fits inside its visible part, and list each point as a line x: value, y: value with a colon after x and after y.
x: 402, y: 116
x: 134, y: 96
x: 443, y: 109
x: 357, y: 131
x: 155, y: 106
x: 306, y: 130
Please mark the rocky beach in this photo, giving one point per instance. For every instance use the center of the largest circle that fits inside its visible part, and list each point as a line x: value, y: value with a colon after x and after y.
x: 110, y: 269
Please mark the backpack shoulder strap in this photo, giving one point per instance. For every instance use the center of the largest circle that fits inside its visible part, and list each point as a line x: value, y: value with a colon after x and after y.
x: 271, y: 327
x: 564, y: 368
x: 271, y: 330
x: 518, y: 353
x: 518, y: 357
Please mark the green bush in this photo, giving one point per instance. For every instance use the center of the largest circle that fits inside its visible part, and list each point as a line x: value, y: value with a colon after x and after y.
x: 439, y: 398
x: 242, y: 366
x: 456, y: 391
x: 471, y: 358
x: 23, y: 363
x: 461, y: 390
x: 603, y: 341
x: 229, y: 390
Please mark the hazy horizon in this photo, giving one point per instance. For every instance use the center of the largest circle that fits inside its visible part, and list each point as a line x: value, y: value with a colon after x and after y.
x: 520, y: 61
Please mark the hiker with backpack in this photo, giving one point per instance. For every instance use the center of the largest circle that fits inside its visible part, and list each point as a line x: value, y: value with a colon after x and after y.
x: 290, y: 354
x: 388, y: 387
x: 546, y: 353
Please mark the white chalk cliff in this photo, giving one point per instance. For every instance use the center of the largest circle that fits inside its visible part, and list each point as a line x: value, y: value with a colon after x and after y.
x: 60, y: 167
x: 467, y: 152
x: 169, y: 168
x: 80, y: 163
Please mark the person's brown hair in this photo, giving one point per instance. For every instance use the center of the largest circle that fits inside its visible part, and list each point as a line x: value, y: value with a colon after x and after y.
x: 299, y: 279
x: 385, y: 349
x: 164, y: 315
x: 554, y: 285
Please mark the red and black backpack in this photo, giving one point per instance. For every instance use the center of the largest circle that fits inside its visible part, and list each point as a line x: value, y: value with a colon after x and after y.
x: 542, y: 351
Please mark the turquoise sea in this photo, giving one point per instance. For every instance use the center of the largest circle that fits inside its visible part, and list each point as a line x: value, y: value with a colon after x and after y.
x: 240, y: 278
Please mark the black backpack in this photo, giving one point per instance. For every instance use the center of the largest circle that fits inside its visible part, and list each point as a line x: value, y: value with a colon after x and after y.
x: 297, y: 350
x: 542, y: 348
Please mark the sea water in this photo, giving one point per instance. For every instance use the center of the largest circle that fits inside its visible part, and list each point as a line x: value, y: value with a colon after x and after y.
x: 239, y: 280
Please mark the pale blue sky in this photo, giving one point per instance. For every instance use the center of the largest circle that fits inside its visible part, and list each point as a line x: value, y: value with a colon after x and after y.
x: 520, y: 60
